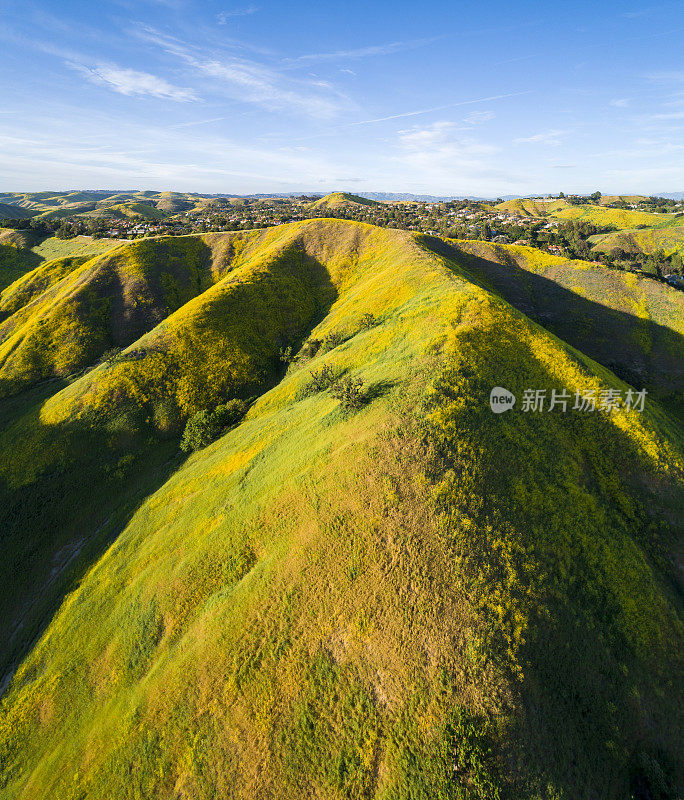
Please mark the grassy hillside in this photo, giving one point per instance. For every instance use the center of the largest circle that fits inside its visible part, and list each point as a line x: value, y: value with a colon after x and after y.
x: 612, y: 217
x: 417, y: 599
x: 633, y: 325
x: 531, y: 208
x: 57, y: 205
x: 16, y: 255
x: 132, y: 211
x: 8, y: 211
x: 341, y: 200
x: 53, y: 247
x: 110, y: 300
x: 607, y: 199
x: 595, y: 214
x: 668, y: 237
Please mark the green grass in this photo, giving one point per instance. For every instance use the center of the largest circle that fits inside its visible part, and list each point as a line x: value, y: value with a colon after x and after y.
x: 341, y: 200
x: 631, y: 324
x: 52, y: 247
x: 668, y: 237
x: 8, y: 211
x: 419, y: 599
x: 530, y: 208
x: 594, y: 214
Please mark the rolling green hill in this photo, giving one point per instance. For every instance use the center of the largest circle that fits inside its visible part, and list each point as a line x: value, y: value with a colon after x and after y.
x: 607, y: 199
x: 57, y: 205
x: 612, y: 217
x: 668, y: 237
x: 531, y: 208
x: 8, y: 211
x: 595, y: 214
x: 132, y: 211
x: 23, y: 250
x: 412, y: 598
x: 338, y: 200
x: 630, y: 324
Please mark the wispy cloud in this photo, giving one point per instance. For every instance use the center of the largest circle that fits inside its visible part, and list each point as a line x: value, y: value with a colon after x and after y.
x: 131, y: 82
x: 619, y: 102
x: 478, y: 117
x: 438, y: 108
x: 363, y: 52
x: 223, y: 17
x: 442, y: 155
x: 253, y: 82
x: 198, y: 122
x: 549, y: 138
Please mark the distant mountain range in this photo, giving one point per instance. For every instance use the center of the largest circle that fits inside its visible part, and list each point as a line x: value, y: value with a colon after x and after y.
x: 381, y: 196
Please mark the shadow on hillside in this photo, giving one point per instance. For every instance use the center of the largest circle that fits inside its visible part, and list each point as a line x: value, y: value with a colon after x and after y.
x: 16, y: 262
x: 69, y: 490
x: 641, y: 352
x: 570, y: 494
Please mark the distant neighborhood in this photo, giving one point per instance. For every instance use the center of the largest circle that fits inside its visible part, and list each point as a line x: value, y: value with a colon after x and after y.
x: 569, y: 226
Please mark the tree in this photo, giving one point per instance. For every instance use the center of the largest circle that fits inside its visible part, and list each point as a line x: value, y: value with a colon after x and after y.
x: 349, y: 391
x: 200, y: 431
x: 595, y: 196
x: 205, y: 426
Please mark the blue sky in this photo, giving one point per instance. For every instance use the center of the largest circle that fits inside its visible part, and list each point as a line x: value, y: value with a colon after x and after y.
x: 479, y: 98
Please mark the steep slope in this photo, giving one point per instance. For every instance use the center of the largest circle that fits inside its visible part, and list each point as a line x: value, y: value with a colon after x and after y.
x: 633, y: 325
x: 16, y: 256
x: 668, y: 237
x: 109, y: 300
x: 338, y: 200
x: 418, y: 599
x: 22, y: 251
x: 531, y: 208
x: 8, y: 211
x: 594, y: 214
x: 612, y: 217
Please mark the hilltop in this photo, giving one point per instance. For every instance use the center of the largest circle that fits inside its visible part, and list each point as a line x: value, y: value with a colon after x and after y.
x: 338, y: 200
x: 592, y: 213
x: 668, y: 237
x: 23, y: 250
x: 409, y: 597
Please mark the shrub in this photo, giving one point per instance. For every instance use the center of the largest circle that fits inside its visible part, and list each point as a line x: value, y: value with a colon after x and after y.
x: 367, y: 321
x: 310, y: 348
x: 349, y: 391
x: 331, y: 341
x: 230, y: 413
x: 205, y: 426
x: 322, y: 379
x: 285, y: 355
x: 111, y: 356
x: 200, y: 431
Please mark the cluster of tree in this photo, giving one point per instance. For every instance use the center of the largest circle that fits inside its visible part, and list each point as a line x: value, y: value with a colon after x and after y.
x: 206, y: 426
x: 656, y: 264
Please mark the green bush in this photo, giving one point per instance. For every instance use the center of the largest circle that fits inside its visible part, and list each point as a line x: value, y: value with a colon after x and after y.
x: 230, y: 413
x: 205, y: 426
x: 200, y: 431
x: 310, y: 349
x: 367, y: 321
x: 349, y: 391
x: 331, y: 341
